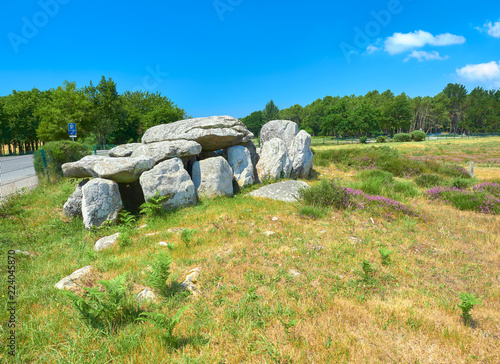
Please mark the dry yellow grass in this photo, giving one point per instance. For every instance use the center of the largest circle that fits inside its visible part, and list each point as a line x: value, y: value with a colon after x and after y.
x: 252, y: 306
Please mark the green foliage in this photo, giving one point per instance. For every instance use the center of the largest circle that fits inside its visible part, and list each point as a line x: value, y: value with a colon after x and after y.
x: 254, y: 122
x: 124, y: 239
x: 460, y: 182
x: 363, y: 140
x: 429, y: 180
x: 381, y: 139
x: 378, y: 182
x: 418, y: 135
x: 106, y: 310
x: 402, y: 137
x: 367, y: 271
x: 153, y: 206
x: 165, y: 323
x: 467, y: 303
x: 127, y: 220
x: 312, y: 212
x: 160, y: 271
x: 187, y: 235
x: 385, y: 255
x: 56, y: 154
x: 270, y: 112
x: 325, y: 194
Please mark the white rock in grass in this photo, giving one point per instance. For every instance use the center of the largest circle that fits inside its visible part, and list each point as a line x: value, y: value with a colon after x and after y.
x: 70, y: 281
x: 191, y: 280
x: 301, y: 155
x: 274, y: 162
x: 145, y: 295
x: 101, y: 202
x: 106, y: 242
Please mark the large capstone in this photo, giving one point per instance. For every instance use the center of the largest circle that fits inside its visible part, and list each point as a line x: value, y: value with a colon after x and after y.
x: 301, y: 155
x: 119, y: 169
x: 240, y: 160
x: 73, y: 206
x: 274, y: 162
x: 282, y: 129
x: 213, y: 177
x: 161, y: 151
x: 213, y: 133
x: 171, y: 180
x: 101, y: 202
x: 124, y: 150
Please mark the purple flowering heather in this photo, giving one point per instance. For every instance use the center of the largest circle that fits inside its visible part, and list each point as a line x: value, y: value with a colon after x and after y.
x: 379, y: 201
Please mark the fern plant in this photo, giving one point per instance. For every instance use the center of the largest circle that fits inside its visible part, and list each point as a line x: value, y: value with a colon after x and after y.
x: 162, y: 321
x: 468, y: 301
x: 368, y: 270
x: 127, y: 219
x: 385, y: 255
x: 160, y: 271
x: 106, y: 310
x: 154, y: 205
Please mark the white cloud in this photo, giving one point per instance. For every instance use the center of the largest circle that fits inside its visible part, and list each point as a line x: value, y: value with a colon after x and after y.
x: 425, y: 56
x: 401, y: 42
x: 483, y: 72
x: 493, y: 29
x: 371, y: 49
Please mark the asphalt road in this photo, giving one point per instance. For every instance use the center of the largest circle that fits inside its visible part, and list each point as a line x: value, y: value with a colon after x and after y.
x: 16, y: 167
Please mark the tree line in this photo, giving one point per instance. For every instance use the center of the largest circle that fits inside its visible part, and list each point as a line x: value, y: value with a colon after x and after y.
x: 453, y: 110
x: 101, y: 114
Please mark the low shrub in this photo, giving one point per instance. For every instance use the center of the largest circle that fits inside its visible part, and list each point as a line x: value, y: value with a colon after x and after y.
x: 106, y: 310
x: 453, y: 170
x: 429, y: 180
x: 160, y: 271
x: 56, y: 154
x: 418, y: 135
x: 312, y: 212
x: 482, y: 198
x: 381, y: 139
x: 363, y: 140
x: 460, y: 182
x: 402, y: 137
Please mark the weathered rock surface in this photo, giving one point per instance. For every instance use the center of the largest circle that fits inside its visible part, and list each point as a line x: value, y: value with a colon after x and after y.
x: 254, y: 153
x: 191, y: 280
x: 146, y: 295
x: 119, y: 169
x: 213, y: 177
x: 101, y: 202
x: 213, y: 133
x: 160, y: 151
x: 240, y: 160
x: 171, y: 180
x: 106, y: 242
x: 73, y: 205
x: 283, y: 129
x: 124, y: 150
x: 287, y: 191
x: 301, y: 155
x: 274, y: 162
x: 71, y: 280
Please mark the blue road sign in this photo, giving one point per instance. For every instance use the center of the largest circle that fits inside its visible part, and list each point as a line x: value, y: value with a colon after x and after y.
x: 72, y: 129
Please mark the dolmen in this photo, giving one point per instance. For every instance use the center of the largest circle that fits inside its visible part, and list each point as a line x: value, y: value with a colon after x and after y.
x: 182, y: 162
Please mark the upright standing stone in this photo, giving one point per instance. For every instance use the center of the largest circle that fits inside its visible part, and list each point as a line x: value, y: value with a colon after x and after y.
x: 301, y: 155
x: 171, y: 180
x: 213, y: 177
x: 73, y: 206
x: 274, y: 162
x: 101, y: 202
x: 282, y: 129
x: 240, y: 160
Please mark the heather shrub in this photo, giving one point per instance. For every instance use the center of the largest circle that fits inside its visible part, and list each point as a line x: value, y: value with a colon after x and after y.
x: 381, y: 139
x: 402, y: 137
x: 453, y: 170
x: 326, y: 194
x: 484, y: 198
x: 460, y: 182
x: 363, y: 140
x: 418, y: 135
x: 429, y: 180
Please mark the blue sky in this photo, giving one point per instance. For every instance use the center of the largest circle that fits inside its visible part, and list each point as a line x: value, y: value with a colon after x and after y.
x: 230, y: 57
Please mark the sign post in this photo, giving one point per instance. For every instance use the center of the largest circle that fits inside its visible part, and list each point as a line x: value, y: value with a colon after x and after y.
x: 72, y: 131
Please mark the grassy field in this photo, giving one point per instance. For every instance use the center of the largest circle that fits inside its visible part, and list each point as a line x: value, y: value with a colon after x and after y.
x: 315, y: 290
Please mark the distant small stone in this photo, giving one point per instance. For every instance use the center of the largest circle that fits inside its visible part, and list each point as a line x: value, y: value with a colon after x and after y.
x: 293, y: 273
x: 176, y: 230
x: 322, y: 231
x: 163, y: 243
x: 269, y: 233
x: 106, y: 242
x: 24, y: 252
x: 287, y: 191
x: 145, y: 295
x: 356, y: 240
x: 275, y: 218
x: 142, y: 226
x: 151, y: 234
x: 191, y: 280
